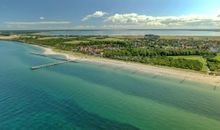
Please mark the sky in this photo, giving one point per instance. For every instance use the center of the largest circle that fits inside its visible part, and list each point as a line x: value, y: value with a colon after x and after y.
x: 109, y: 14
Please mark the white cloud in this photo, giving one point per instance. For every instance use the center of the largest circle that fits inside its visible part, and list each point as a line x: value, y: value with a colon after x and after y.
x: 39, y: 25
x: 135, y: 20
x: 97, y: 14
x: 42, y: 18
x: 85, y: 27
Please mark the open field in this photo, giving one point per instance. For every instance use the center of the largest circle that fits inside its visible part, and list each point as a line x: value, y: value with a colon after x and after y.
x: 76, y: 42
x: 192, y: 37
x: 217, y: 57
x: 105, y: 39
x: 198, y: 58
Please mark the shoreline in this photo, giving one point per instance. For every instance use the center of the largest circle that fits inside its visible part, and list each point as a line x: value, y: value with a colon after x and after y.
x: 143, y: 68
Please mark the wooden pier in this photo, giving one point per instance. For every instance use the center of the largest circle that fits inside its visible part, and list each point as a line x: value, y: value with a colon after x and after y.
x: 38, y: 54
x: 51, y: 64
x: 47, y: 65
x: 61, y: 61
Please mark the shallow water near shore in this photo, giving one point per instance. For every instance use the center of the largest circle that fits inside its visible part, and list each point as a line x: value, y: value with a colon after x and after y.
x: 86, y: 96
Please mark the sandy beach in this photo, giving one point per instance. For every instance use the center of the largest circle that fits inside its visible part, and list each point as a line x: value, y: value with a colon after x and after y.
x: 143, y: 68
x: 11, y: 37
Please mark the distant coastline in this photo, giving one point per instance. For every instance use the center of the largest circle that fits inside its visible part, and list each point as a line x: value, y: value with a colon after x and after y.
x: 112, y: 32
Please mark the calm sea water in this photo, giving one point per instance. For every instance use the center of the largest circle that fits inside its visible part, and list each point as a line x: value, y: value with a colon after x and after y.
x: 85, y: 96
x: 160, y: 32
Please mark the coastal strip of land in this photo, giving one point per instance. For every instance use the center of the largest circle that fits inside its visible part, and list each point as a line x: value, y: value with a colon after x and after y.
x: 142, y: 68
x: 84, y: 50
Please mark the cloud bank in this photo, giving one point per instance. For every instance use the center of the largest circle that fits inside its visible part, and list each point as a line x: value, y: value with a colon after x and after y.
x: 38, y: 25
x: 96, y: 14
x: 42, y: 18
x: 124, y: 21
x: 134, y: 20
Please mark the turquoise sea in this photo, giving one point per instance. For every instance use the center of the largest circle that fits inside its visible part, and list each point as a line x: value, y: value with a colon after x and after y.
x: 85, y: 96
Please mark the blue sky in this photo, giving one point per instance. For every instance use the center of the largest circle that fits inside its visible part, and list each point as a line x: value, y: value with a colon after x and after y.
x: 83, y: 14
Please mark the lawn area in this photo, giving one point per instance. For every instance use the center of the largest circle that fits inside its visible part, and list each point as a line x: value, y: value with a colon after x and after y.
x: 76, y: 42
x: 104, y: 39
x: 199, y: 58
x: 192, y: 37
x: 217, y: 57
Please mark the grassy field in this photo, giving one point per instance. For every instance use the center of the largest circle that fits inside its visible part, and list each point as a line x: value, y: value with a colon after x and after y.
x: 104, y: 39
x: 86, y: 40
x: 76, y: 42
x: 217, y: 57
x: 192, y: 37
x: 198, y: 58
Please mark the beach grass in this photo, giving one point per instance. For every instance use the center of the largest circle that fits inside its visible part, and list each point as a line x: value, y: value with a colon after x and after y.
x: 217, y: 57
